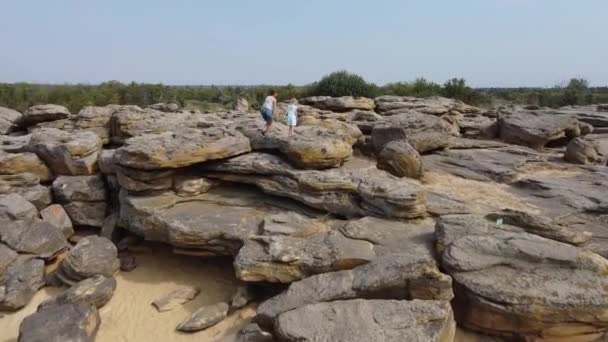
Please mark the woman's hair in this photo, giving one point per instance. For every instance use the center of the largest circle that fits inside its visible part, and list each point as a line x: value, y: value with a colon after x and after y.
x: 273, y: 92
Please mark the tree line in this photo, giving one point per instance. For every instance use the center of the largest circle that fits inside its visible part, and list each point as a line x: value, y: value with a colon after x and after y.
x: 20, y: 96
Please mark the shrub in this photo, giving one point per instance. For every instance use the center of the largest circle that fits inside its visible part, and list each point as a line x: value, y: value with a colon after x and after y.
x: 343, y: 83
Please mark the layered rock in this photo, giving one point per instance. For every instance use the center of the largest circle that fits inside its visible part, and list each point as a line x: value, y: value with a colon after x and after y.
x: 59, y: 323
x: 390, y: 105
x: 21, y: 280
x: 90, y: 257
x: 165, y: 107
x: 58, y: 217
x: 43, y: 113
x: 97, y: 291
x: 33, y: 237
x: 15, y: 207
x: 537, y: 129
x: 9, y: 120
x: 587, y: 151
x: 511, y: 282
x: 28, y: 186
x: 401, y: 159
x: 339, y: 104
x: 83, y: 198
x: 350, y: 193
x: 15, y: 163
x: 67, y: 153
x: 368, y: 320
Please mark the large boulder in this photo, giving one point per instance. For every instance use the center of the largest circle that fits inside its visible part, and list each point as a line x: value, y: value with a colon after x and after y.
x: 509, y: 282
x: 15, y: 207
x: 129, y: 121
x: 56, y: 215
x: 33, y: 237
x: 537, y: 129
x: 390, y: 105
x: 91, y: 256
x: 43, y: 113
x: 95, y: 119
x: 22, y: 279
x: 587, y: 151
x: 401, y: 159
x: 181, y: 148
x: 28, y: 186
x: 346, y: 192
x: 368, y: 321
x: 76, y: 322
x: 97, y: 291
x: 339, y: 104
x: 67, y: 153
x: 15, y: 163
x: 9, y: 120
x: 424, y: 132
x: 84, y: 198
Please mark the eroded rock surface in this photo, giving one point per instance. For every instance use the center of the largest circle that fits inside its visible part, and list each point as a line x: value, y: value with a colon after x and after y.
x: 43, y: 113
x: 204, y: 317
x: 97, y: 291
x: 536, y: 129
x: 23, y: 277
x: 59, y: 323
x: 91, y: 256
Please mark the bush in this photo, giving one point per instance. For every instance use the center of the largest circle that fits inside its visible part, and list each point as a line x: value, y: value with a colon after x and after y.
x: 343, y: 83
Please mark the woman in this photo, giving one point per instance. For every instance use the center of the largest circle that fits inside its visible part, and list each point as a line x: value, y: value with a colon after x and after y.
x: 267, y: 109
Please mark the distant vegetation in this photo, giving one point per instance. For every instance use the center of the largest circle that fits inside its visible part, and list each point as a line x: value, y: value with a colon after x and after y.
x: 341, y: 83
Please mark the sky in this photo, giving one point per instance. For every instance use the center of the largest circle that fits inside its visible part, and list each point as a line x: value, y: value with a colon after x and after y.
x: 490, y: 43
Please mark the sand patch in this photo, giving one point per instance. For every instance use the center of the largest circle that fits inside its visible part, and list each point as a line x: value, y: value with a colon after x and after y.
x: 129, y: 316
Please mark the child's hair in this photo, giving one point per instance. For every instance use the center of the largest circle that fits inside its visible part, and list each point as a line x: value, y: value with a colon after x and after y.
x: 273, y: 92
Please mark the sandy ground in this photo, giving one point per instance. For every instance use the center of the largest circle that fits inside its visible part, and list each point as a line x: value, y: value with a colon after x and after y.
x: 129, y: 316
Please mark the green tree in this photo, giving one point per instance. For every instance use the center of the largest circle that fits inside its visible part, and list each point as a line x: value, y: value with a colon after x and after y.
x: 343, y: 83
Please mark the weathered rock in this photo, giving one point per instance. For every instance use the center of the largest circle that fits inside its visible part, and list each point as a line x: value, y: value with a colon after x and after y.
x: 34, y: 237
x: 243, y: 295
x: 368, y: 320
x: 14, y: 143
x: 106, y: 162
x: 15, y: 207
x: 57, y: 216
x: 181, y: 148
x: 130, y: 122
x: 404, y: 269
x: 424, y: 132
x: 587, y: 151
x: 43, y: 113
x: 175, y: 298
x: 192, y: 184
x: 339, y: 104
x: 128, y: 262
x: 97, y: 291
x: 96, y: 120
x: 401, y: 159
x: 28, y: 186
x: 365, y: 120
x: 346, y: 192
x: 68, y: 189
x: 67, y: 153
x: 22, y: 279
x: 241, y: 105
x: 191, y: 222
x: 90, y: 214
x: 9, y: 120
x: 91, y: 256
x: 77, y: 322
x: 204, y: 318
x: 15, y: 163
x: 478, y: 127
x: 536, y: 129
x: 390, y: 105
x: 141, y: 181
x: 292, y: 224
x: 165, y: 107
x: 509, y: 282
x: 7, y: 256
x: 253, y: 333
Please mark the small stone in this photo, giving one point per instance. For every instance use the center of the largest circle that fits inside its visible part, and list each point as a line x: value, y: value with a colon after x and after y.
x: 175, y: 298
x: 204, y: 317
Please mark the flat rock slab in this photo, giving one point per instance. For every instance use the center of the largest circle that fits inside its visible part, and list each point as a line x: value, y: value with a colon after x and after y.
x: 434, y: 105
x: 537, y: 129
x: 43, y: 113
x: 347, y: 192
x: 512, y: 282
x: 33, y: 237
x: 368, y: 320
x: 27, y: 185
x: 97, y: 291
x: 181, y: 148
x: 175, y: 298
x: 59, y: 323
x: 22, y: 279
x: 339, y: 104
x: 15, y: 163
x: 204, y: 318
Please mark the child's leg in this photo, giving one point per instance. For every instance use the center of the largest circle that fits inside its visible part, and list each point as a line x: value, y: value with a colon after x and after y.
x: 290, y: 130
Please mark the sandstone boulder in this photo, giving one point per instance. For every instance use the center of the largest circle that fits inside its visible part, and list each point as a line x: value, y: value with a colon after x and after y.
x: 435, y: 105
x: 91, y: 256
x: 587, y: 151
x: 241, y: 105
x: 84, y: 198
x: 401, y: 159
x: 96, y: 120
x: 424, y: 132
x: 368, y: 321
x: 537, y: 129
x: 15, y: 163
x: 181, y: 148
x: 165, y: 107
x: 130, y: 122
x: 22, y: 279
x: 33, y: 237
x: 136, y: 180
x: 175, y: 298
x: 9, y: 120
x: 7, y: 256
x: 67, y: 153
x: 106, y: 162
x: 57, y: 216
x: 204, y: 318
x: 60, y: 323
x: 28, y: 186
x: 43, y: 113
x: 511, y: 282
x: 15, y: 207
x: 14, y: 143
x: 97, y: 291
x: 339, y: 104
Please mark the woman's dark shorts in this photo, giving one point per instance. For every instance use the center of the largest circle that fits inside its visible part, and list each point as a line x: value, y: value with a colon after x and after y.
x: 267, y: 114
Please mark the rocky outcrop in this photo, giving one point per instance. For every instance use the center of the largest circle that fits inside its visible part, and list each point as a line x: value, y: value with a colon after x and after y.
x: 346, y: 192
x: 425, y: 133
x: 97, y: 291
x: 67, y: 153
x: 165, y: 107
x: 15, y: 163
x: 401, y: 159
x: 368, y: 320
x: 181, y: 148
x: 511, y: 282
x: 91, y: 256
x: 21, y: 280
x: 43, y: 113
x: 339, y: 104
x: 204, y: 317
x: 537, y: 129
x: 587, y: 151
x: 390, y: 105
x: 59, y: 323
x: 9, y: 120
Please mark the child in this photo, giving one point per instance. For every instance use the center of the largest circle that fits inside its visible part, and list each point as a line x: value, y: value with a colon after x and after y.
x: 292, y: 116
x: 267, y: 109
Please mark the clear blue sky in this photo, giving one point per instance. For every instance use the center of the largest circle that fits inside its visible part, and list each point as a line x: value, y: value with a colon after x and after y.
x: 488, y: 42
